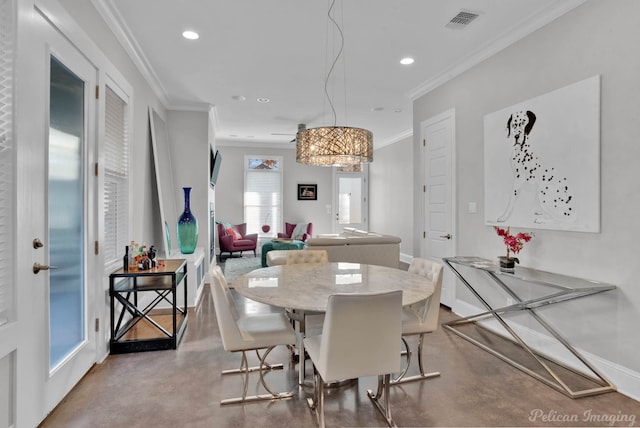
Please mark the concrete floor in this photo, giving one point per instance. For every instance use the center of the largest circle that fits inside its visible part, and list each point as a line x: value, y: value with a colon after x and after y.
x: 183, y: 388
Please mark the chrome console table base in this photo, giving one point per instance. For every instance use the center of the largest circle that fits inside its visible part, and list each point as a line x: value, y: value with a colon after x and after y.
x: 581, y: 288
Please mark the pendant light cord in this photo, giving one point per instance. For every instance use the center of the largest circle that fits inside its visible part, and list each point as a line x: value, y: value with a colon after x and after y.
x: 335, y: 61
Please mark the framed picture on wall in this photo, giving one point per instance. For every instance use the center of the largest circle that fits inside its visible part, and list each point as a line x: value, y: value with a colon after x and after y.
x: 307, y: 192
x: 542, y: 161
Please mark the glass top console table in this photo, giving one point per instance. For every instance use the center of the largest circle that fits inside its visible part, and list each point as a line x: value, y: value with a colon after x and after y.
x: 555, y: 288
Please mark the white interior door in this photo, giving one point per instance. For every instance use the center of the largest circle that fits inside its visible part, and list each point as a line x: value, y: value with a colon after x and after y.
x: 350, y: 199
x: 438, y: 138
x: 56, y: 133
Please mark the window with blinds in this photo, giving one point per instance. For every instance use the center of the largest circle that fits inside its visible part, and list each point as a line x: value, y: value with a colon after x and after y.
x: 116, y: 181
x: 263, y: 194
x: 7, y: 155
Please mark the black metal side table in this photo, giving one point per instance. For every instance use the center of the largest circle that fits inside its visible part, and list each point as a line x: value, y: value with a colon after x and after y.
x: 145, y: 326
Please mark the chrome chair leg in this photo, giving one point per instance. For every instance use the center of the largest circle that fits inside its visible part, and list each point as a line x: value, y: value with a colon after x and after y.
x: 407, y: 353
x: 401, y: 378
x: 266, y: 366
x: 383, y: 393
x: 245, y: 370
x: 316, y: 404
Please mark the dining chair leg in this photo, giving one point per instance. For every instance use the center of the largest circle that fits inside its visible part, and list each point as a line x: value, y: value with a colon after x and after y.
x: 401, y: 378
x: 245, y: 370
x: 383, y: 394
x: 316, y: 404
x: 406, y: 353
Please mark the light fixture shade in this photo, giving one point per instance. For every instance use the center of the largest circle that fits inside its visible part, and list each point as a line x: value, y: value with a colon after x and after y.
x: 334, y: 146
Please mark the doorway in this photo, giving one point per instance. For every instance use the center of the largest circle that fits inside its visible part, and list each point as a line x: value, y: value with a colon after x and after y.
x: 56, y: 217
x: 439, y: 195
x: 350, y: 197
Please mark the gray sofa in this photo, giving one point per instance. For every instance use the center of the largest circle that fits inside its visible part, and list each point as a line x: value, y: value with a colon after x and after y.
x: 358, y: 246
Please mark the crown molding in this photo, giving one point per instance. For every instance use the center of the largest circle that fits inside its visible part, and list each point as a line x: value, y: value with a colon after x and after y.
x: 116, y: 24
x: 408, y: 133
x: 254, y: 144
x: 518, y: 31
x: 198, y: 107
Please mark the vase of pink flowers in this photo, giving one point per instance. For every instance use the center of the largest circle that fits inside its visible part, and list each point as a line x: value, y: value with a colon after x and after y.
x: 514, y: 244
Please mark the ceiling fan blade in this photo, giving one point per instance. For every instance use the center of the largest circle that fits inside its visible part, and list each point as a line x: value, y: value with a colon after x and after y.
x: 301, y: 127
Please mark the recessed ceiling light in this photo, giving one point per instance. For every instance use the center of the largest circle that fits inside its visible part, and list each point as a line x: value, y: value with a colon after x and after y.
x: 191, y: 35
x: 377, y: 109
x: 406, y: 61
x: 397, y: 110
x: 238, y: 98
x: 263, y: 100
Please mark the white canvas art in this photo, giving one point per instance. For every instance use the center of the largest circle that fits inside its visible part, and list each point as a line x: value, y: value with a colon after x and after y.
x: 542, y: 161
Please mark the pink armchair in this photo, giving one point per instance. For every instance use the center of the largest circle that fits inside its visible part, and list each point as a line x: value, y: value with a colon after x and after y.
x: 289, y: 228
x: 234, y: 242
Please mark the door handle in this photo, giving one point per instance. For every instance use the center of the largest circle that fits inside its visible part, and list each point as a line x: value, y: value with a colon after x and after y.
x: 37, y: 267
x: 447, y: 236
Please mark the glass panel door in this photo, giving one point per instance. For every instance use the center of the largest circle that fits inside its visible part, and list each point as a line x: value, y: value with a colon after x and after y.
x: 66, y: 213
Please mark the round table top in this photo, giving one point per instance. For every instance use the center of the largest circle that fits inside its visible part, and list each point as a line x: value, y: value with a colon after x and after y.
x: 307, y: 286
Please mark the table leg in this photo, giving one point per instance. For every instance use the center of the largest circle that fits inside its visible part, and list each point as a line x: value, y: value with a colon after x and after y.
x: 301, y: 356
x: 603, y: 384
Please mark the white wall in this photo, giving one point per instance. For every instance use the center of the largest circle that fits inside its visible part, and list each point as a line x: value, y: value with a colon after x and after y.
x: 596, y: 38
x: 144, y: 203
x: 391, y: 194
x: 189, y: 142
x: 229, y: 189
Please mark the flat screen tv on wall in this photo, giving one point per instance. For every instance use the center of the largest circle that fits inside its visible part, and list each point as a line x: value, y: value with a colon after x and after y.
x: 214, y: 167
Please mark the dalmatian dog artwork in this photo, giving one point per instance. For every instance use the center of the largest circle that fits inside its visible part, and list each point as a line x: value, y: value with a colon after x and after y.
x: 553, y: 194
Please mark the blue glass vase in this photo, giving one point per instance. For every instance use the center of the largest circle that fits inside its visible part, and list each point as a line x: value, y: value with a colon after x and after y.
x: 187, y: 226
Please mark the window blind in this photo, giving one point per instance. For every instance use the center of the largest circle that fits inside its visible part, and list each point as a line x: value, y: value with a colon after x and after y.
x: 262, y: 199
x: 116, y: 181
x: 7, y: 155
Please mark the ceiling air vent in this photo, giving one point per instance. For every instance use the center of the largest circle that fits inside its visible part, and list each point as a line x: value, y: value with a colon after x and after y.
x: 462, y: 19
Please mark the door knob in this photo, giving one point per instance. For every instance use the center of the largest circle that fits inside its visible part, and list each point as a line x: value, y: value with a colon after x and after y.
x: 447, y: 236
x: 37, y: 267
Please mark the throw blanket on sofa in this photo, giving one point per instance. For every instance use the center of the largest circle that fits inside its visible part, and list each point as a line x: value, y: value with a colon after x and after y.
x: 299, y: 231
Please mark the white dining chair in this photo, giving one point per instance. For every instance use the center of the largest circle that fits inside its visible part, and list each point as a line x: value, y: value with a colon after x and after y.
x: 359, y: 338
x: 242, y: 333
x: 307, y: 256
x: 422, y: 317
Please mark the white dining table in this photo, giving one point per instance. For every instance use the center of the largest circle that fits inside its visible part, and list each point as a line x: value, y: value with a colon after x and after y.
x: 306, y: 287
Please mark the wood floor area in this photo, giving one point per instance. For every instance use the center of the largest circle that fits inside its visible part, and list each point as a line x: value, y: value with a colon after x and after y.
x: 183, y: 388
